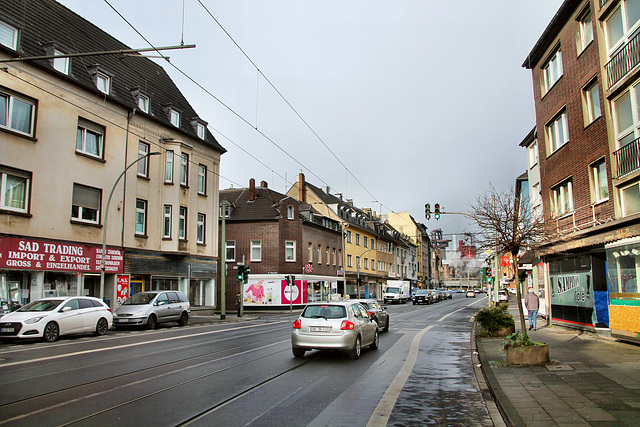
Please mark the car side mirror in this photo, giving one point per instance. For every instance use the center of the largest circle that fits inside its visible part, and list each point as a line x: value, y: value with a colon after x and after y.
x: 65, y: 309
x: 160, y: 303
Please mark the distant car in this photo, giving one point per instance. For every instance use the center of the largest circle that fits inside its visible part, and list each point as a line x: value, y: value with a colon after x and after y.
x: 446, y: 293
x: 437, y: 295
x: 377, y: 312
x: 150, y: 308
x: 503, y: 295
x: 423, y: 296
x: 343, y: 325
x: 471, y: 293
x: 49, y: 318
x: 478, y: 291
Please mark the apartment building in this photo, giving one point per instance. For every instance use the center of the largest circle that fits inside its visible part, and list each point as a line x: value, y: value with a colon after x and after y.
x: 98, y: 149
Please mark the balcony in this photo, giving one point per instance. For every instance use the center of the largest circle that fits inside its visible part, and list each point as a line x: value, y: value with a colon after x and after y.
x: 625, y: 60
x: 628, y: 158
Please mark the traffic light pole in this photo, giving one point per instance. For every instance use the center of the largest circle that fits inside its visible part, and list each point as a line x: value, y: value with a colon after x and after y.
x: 223, y: 287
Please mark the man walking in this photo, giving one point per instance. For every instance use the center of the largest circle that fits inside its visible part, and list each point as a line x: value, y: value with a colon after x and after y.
x: 532, y: 302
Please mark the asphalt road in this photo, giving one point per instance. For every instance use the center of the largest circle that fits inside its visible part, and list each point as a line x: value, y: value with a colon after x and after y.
x: 243, y: 373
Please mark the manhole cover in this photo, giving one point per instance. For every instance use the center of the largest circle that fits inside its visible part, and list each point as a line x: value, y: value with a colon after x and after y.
x: 559, y: 367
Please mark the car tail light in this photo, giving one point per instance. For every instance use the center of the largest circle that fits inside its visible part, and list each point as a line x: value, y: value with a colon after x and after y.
x: 347, y: 325
x: 371, y: 313
x: 297, y: 324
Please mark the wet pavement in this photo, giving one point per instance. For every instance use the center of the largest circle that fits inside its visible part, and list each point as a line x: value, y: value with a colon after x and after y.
x: 592, y: 380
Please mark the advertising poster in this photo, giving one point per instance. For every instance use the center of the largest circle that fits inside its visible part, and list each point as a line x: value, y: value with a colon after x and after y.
x: 122, y: 289
x: 293, y: 293
x: 259, y: 292
x: 572, y: 298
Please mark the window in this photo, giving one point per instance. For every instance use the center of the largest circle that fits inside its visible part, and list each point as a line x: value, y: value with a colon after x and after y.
x: 598, y: 178
x: 290, y: 251
x: 86, y: 204
x: 60, y: 64
x: 15, y: 187
x: 620, y: 26
x: 103, y: 82
x: 591, y: 102
x: 562, y: 198
x: 143, y: 165
x: 557, y: 132
x: 349, y: 260
x: 168, y: 167
x: 340, y: 257
x: 8, y: 36
x: 182, y: 223
x: 366, y: 242
x: 202, y: 180
x: 327, y: 256
x: 166, y: 222
x: 626, y: 116
x: 230, y: 250
x: 373, y: 264
x: 630, y: 199
x: 532, y: 152
x: 358, y: 239
x: 89, y: 138
x: 256, y: 250
x: 584, y: 34
x: 174, y: 117
x: 319, y: 254
x: 141, y: 217
x: 333, y: 255
x: 348, y: 236
x: 551, y: 71
x: 373, y: 243
x: 184, y: 169
x: 535, y: 194
x: 366, y: 263
x: 201, y: 228
x: 200, y: 130
x: 17, y: 113
x: 358, y: 264
x: 289, y: 212
x: 143, y: 103
x: 310, y: 252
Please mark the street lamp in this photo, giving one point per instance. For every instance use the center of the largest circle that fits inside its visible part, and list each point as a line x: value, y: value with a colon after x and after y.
x: 358, y: 266
x: 106, y: 216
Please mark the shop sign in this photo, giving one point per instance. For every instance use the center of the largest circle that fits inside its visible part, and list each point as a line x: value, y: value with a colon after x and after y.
x: 26, y: 254
x: 122, y: 290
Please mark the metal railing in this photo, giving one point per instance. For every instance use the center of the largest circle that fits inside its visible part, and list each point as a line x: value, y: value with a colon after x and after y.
x: 627, y: 58
x: 580, y: 218
x: 628, y: 158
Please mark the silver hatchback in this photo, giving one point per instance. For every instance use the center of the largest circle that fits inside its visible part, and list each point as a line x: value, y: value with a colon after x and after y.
x: 151, y: 308
x: 344, y: 325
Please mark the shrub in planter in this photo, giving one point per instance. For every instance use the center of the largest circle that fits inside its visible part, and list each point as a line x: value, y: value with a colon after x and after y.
x: 496, y: 321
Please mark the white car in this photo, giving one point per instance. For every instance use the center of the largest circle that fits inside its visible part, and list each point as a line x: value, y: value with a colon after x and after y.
x: 48, y: 318
x: 503, y: 295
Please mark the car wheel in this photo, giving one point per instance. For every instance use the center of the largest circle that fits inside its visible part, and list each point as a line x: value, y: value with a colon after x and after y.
x: 51, y: 332
x: 184, y: 319
x: 386, y: 327
x: 357, y: 349
x: 298, y: 352
x: 376, y: 341
x: 102, y: 326
x: 152, y: 322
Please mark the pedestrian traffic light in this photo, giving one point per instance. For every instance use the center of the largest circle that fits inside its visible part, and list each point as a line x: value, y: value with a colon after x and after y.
x: 286, y: 279
x: 436, y: 211
x: 240, y: 275
x: 427, y: 211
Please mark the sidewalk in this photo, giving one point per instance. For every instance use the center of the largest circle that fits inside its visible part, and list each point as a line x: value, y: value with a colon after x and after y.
x: 592, y: 380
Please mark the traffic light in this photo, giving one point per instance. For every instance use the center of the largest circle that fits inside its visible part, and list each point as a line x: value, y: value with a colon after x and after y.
x: 488, y: 271
x: 293, y: 280
x: 245, y: 273
x: 240, y: 275
x: 436, y: 211
x: 427, y: 211
x: 286, y: 278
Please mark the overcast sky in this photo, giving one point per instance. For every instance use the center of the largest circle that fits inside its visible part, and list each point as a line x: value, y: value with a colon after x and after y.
x: 421, y: 100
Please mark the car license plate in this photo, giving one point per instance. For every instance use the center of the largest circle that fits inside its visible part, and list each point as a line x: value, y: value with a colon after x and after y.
x: 6, y: 330
x: 122, y: 320
x: 320, y: 328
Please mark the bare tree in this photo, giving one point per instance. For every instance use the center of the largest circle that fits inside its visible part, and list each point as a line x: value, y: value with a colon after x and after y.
x: 507, y: 225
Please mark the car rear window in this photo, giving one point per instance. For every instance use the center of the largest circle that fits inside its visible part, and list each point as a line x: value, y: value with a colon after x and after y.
x: 326, y: 311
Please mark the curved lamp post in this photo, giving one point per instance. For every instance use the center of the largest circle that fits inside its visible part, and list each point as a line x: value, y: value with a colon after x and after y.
x: 359, y: 261
x: 106, y: 216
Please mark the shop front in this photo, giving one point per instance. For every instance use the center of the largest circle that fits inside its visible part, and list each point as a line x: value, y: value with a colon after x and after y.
x: 623, y: 271
x: 32, y: 269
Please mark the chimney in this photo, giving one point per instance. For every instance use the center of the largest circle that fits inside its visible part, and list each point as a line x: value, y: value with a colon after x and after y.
x: 326, y: 190
x: 302, y: 193
x: 252, y: 190
x: 263, y: 184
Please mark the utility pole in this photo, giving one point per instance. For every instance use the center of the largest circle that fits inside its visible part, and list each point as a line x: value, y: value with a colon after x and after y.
x: 223, y: 287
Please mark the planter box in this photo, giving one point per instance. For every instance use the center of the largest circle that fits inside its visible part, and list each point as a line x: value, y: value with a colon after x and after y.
x: 527, y: 355
x: 504, y: 331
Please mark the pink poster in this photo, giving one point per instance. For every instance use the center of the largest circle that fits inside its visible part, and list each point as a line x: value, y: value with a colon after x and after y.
x: 298, y: 296
x: 122, y: 290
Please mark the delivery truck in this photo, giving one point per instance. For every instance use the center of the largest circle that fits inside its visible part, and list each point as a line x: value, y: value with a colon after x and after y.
x: 397, y: 291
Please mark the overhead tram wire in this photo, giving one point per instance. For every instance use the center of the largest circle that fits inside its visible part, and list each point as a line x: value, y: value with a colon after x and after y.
x: 288, y: 103
x: 215, y: 97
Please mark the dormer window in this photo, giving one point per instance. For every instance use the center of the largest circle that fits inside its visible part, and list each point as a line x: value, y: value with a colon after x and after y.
x: 174, y: 117
x: 60, y: 64
x: 200, y: 127
x: 200, y: 130
x: 103, y: 83
x: 143, y: 103
x: 8, y: 36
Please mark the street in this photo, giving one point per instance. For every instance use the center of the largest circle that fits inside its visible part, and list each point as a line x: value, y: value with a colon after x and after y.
x: 244, y: 373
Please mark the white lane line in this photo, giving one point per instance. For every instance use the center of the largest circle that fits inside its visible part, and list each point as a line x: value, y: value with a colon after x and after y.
x: 460, y: 309
x: 99, y: 350
x: 381, y: 415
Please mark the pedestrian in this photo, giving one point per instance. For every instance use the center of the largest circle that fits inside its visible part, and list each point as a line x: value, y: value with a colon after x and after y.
x: 532, y: 302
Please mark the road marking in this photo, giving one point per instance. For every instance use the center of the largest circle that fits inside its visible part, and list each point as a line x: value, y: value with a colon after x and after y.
x: 460, y: 309
x: 381, y: 415
x: 99, y: 350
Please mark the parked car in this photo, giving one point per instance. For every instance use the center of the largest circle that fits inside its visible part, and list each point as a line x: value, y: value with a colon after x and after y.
x: 437, y: 295
x: 423, y: 296
x: 446, y: 294
x: 503, y: 295
x: 344, y: 325
x: 151, y: 308
x: 49, y: 318
x: 377, y: 313
x: 471, y: 293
